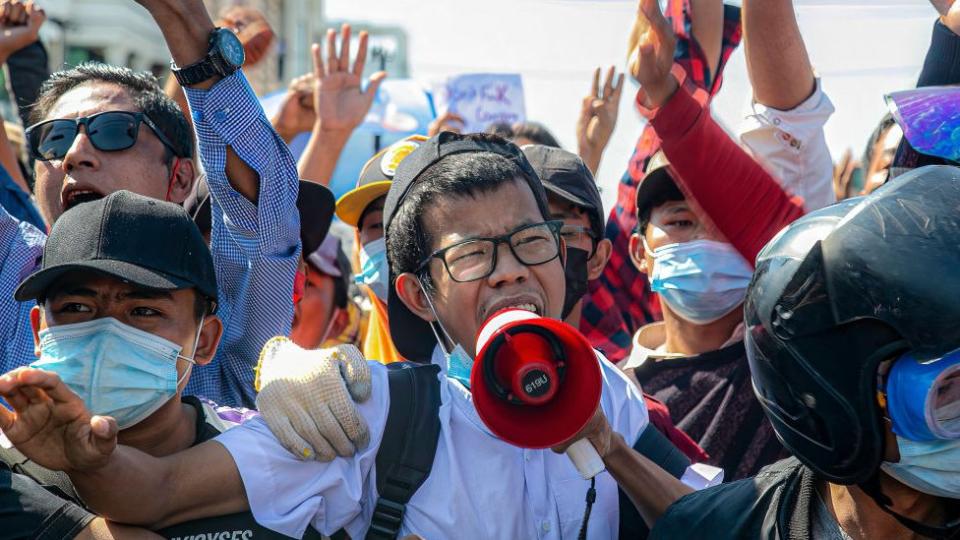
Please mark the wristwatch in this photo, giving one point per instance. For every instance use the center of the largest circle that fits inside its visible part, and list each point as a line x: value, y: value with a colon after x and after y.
x: 224, y: 57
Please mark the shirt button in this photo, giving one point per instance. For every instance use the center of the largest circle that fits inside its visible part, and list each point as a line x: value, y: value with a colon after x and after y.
x: 220, y: 116
x: 776, y: 121
x: 546, y: 526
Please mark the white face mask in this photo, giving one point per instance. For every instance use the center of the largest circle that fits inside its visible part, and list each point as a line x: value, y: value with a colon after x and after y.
x: 375, y: 269
x: 931, y: 467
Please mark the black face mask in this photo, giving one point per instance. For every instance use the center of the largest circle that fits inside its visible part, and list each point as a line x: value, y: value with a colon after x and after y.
x: 575, y: 275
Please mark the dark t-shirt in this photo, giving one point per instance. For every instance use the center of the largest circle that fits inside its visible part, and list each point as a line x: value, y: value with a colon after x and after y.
x: 27, y: 510
x: 711, y: 398
x: 210, y: 423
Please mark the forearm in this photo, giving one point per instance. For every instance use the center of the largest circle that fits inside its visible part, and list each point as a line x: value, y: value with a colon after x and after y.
x: 140, y: 489
x: 942, y: 63
x: 591, y: 157
x: 320, y: 157
x: 740, y: 197
x: 777, y: 60
x: 651, y: 489
x: 101, y: 529
x: 8, y: 160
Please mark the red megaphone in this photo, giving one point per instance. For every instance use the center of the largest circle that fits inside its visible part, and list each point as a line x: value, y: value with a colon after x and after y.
x: 536, y: 383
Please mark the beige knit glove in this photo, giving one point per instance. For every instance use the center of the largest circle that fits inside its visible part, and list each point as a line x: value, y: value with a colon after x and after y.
x: 307, y: 398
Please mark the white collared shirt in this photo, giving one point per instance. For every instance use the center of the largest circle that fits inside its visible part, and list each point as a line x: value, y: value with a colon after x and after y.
x: 479, y: 487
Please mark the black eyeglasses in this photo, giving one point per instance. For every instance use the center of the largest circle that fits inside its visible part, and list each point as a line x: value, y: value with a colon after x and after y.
x: 476, y: 258
x: 109, y: 131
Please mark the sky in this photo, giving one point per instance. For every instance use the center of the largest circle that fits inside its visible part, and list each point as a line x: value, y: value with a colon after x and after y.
x: 861, y: 50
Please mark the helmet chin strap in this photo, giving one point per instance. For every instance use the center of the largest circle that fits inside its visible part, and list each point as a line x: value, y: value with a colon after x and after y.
x: 949, y: 530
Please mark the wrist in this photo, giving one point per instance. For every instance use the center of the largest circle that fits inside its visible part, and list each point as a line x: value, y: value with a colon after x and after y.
x: 332, y: 135
x: 658, y: 94
x: 616, y: 450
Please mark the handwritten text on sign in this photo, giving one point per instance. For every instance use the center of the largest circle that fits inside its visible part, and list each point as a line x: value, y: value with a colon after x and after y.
x: 482, y: 99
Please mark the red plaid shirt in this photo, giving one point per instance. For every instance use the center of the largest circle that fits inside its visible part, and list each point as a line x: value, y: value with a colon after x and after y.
x: 620, y: 301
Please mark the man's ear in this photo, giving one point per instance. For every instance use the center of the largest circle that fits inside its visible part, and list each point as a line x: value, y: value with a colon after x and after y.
x: 598, y: 262
x: 413, y: 296
x: 35, y: 314
x: 638, y: 253
x: 209, y: 340
x: 341, y: 318
x: 182, y: 175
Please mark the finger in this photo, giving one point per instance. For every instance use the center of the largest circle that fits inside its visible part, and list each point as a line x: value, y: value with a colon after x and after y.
x: 317, y: 62
x: 289, y: 439
x: 16, y: 399
x: 51, y: 384
x: 595, y: 87
x: 608, y: 84
x: 319, y: 438
x: 332, y: 62
x: 651, y: 10
x: 345, y: 48
x: 618, y: 89
x: 355, y: 370
x: 103, y: 434
x: 334, y: 433
x: 374, y: 84
x: 10, y: 380
x: 361, y: 61
x: 345, y: 413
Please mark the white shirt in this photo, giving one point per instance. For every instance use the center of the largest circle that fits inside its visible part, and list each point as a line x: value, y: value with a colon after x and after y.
x: 479, y: 487
x: 792, y: 146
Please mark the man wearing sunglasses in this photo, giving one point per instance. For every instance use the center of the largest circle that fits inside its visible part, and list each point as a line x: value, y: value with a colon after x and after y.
x: 98, y: 129
x: 468, y: 234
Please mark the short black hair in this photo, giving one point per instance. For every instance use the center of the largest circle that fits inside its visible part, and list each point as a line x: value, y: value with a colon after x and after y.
x: 887, y: 122
x: 670, y: 193
x: 144, y: 90
x: 467, y: 174
x: 532, y: 131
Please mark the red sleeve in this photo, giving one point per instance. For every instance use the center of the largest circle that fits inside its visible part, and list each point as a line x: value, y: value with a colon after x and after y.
x: 741, y: 198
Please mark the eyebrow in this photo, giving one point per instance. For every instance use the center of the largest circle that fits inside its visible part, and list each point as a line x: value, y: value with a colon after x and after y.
x: 147, y: 294
x: 74, y: 291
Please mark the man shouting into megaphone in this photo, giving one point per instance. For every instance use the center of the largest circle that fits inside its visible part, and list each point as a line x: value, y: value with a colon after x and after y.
x: 468, y: 235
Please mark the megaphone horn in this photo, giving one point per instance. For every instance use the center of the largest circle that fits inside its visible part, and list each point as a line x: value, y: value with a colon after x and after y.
x: 536, y: 383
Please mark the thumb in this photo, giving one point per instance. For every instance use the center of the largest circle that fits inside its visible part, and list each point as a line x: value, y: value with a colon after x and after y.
x: 374, y: 84
x: 356, y: 372
x: 103, y: 434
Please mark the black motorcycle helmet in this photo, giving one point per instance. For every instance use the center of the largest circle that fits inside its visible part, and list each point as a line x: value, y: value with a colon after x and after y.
x: 841, y: 290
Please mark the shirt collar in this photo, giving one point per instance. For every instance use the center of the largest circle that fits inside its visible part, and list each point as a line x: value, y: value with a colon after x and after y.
x: 650, y: 343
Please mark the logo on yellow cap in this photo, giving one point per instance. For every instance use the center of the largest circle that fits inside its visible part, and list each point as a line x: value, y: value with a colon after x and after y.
x: 394, y: 155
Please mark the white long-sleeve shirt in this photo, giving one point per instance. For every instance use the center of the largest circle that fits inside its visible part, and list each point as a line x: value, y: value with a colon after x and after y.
x: 479, y: 486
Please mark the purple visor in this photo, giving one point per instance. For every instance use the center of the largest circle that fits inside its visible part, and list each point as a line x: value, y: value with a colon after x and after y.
x: 930, y: 119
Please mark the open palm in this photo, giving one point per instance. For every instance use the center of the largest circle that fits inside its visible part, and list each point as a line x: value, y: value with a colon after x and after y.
x: 598, y: 113
x: 339, y: 99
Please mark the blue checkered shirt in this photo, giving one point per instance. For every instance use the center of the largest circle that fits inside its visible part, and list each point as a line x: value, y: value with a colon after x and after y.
x: 256, y: 248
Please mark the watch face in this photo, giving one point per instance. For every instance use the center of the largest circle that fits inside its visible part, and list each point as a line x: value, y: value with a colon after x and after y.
x: 230, y: 47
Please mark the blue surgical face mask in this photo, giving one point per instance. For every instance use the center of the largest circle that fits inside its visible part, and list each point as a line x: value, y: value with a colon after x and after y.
x: 931, y: 467
x: 459, y: 363
x: 118, y: 370
x: 374, y: 268
x: 701, y: 281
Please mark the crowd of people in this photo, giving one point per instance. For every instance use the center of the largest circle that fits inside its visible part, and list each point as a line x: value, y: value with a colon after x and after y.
x: 198, y: 340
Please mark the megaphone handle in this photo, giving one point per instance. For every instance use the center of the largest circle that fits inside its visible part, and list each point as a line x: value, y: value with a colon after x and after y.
x: 585, y: 457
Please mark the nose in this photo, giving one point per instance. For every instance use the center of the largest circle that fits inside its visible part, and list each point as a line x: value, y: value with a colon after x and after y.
x: 509, y: 269
x: 81, y: 153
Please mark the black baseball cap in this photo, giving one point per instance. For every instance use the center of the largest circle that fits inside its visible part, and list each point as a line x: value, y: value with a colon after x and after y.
x: 565, y: 175
x: 314, y: 202
x: 657, y: 185
x: 144, y: 241
x: 412, y: 335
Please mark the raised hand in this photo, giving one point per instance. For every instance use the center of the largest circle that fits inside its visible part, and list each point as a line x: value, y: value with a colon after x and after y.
x: 50, y: 424
x: 652, y: 59
x: 296, y: 114
x: 949, y: 11
x: 598, y: 117
x: 252, y: 30
x: 448, y: 121
x: 338, y: 99
x: 20, y: 24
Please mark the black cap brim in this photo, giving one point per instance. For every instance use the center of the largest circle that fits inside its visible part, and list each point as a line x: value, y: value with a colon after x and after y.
x: 412, y: 336
x: 654, y: 183
x: 40, y: 282
x: 567, y: 196
x: 316, y: 206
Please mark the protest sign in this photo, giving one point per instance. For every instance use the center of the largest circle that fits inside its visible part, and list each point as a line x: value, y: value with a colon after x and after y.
x: 481, y: 99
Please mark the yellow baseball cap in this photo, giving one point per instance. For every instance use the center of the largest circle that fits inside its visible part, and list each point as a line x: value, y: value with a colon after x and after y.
x: 375, y: 179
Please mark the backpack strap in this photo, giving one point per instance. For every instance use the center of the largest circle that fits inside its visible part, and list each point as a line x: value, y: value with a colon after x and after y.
x: 409, y: 443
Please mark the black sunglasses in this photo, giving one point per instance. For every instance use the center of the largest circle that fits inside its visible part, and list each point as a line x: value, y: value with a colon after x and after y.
x: 109, y: 131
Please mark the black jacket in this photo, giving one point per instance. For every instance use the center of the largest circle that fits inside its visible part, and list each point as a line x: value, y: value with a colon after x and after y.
x: 774, y: 504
